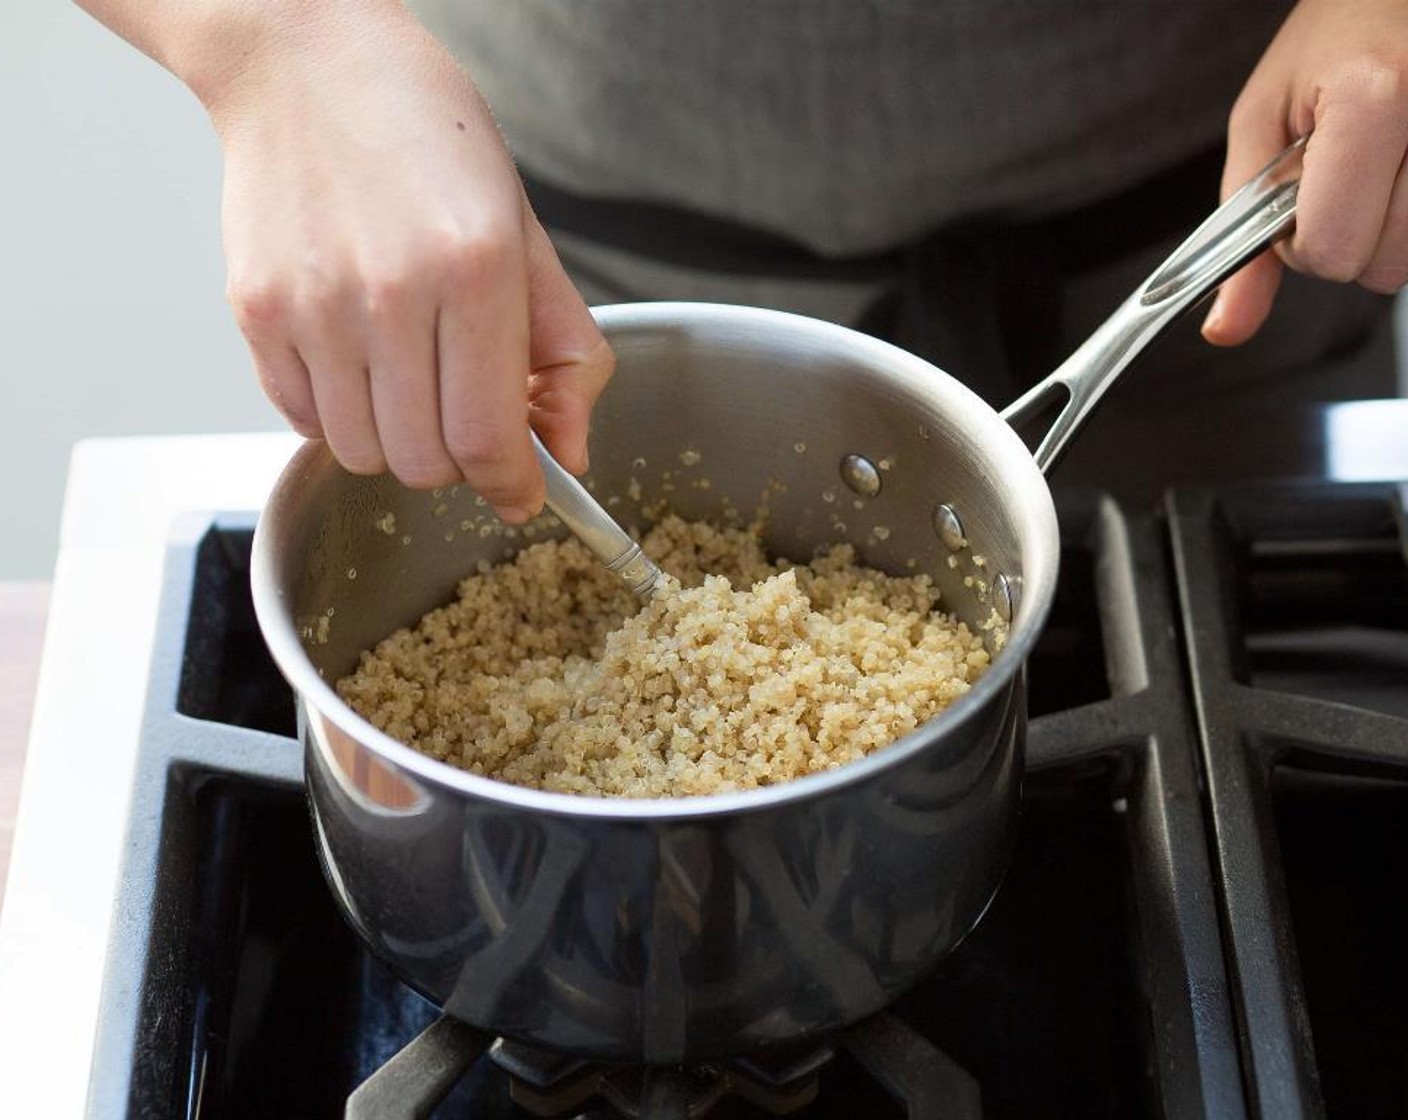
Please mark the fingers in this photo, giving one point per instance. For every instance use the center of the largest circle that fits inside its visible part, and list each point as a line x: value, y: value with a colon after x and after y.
x: 281, y: 372
x: 308, y: 353
x: 1256, y: 133
x: 387, y: 231
x: 571, y: 361
x: 429, y: 371
x: 1351, y: 165
x: 401, y: 342
x: 1387, y: 270
x: 483, y: 354
x: 1352, y: 207
x: 330, y: 345
x: 286, y: 383
x: 1244, y: 302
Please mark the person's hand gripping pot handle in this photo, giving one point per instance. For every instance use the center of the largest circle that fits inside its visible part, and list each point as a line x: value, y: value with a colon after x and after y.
x: 1338, y: 71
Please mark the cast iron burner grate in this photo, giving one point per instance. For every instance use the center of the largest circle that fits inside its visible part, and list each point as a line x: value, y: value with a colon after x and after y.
x: 921, y: 1078
x: 1295, y: 609
x: 1094, y: 986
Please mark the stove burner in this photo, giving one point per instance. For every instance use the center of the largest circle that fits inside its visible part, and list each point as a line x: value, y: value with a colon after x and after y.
x: 550, y: 1085
x: 1095, y: 987
x: 926, y: 1082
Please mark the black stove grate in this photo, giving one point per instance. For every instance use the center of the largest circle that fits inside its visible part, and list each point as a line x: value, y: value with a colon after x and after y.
x: 1295, y: 609
x: 920, y: 1080
x: 1144, y: 732
x: 1094, y: 987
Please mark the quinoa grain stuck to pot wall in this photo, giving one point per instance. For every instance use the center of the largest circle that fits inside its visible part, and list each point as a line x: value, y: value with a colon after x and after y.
x: 741, y: 672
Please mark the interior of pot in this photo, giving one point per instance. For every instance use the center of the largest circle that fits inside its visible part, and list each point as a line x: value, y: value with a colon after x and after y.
x: 716, y: 413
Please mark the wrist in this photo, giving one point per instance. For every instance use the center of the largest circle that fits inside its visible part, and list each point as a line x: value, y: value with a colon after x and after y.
x: 232, y: 46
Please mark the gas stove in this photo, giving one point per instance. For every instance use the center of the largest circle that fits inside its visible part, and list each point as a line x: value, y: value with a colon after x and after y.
x: 1203, y: 918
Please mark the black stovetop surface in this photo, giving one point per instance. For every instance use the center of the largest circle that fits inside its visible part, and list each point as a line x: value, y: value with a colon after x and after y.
x: 1206, y: 914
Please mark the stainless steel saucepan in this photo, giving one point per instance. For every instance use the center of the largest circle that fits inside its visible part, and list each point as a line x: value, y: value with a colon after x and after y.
x: 667, y: 930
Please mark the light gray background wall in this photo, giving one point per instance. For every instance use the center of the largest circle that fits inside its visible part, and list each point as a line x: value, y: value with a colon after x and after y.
x: 112, y: 315
x: 112, y: 312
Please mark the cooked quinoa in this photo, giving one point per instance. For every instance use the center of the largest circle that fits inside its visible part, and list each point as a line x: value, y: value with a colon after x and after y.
x: 740, y: 672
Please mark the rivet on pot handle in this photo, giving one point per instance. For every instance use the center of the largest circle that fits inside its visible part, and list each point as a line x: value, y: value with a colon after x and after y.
x: 1257, y: 215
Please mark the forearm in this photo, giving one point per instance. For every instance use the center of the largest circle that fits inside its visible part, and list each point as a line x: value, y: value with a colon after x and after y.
x: 208, y: 44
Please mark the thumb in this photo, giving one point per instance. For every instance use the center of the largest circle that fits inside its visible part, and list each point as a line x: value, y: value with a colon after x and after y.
x: 570, y: 358
x: 1256, y: 133
x: 1244, y: 302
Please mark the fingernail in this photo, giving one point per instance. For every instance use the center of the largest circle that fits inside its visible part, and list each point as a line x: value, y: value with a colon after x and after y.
x: 512, y: 515
x: 1214, y: 319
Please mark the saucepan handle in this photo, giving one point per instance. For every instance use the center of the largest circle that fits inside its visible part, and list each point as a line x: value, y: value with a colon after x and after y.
x: 1258, y: 214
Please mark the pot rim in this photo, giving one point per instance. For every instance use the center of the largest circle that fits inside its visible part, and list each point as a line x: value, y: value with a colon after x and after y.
x: 1008, y: 458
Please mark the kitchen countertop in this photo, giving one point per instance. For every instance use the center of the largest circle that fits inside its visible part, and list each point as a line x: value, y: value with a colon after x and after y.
x: 23, y: 608
x: 122, y: 498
